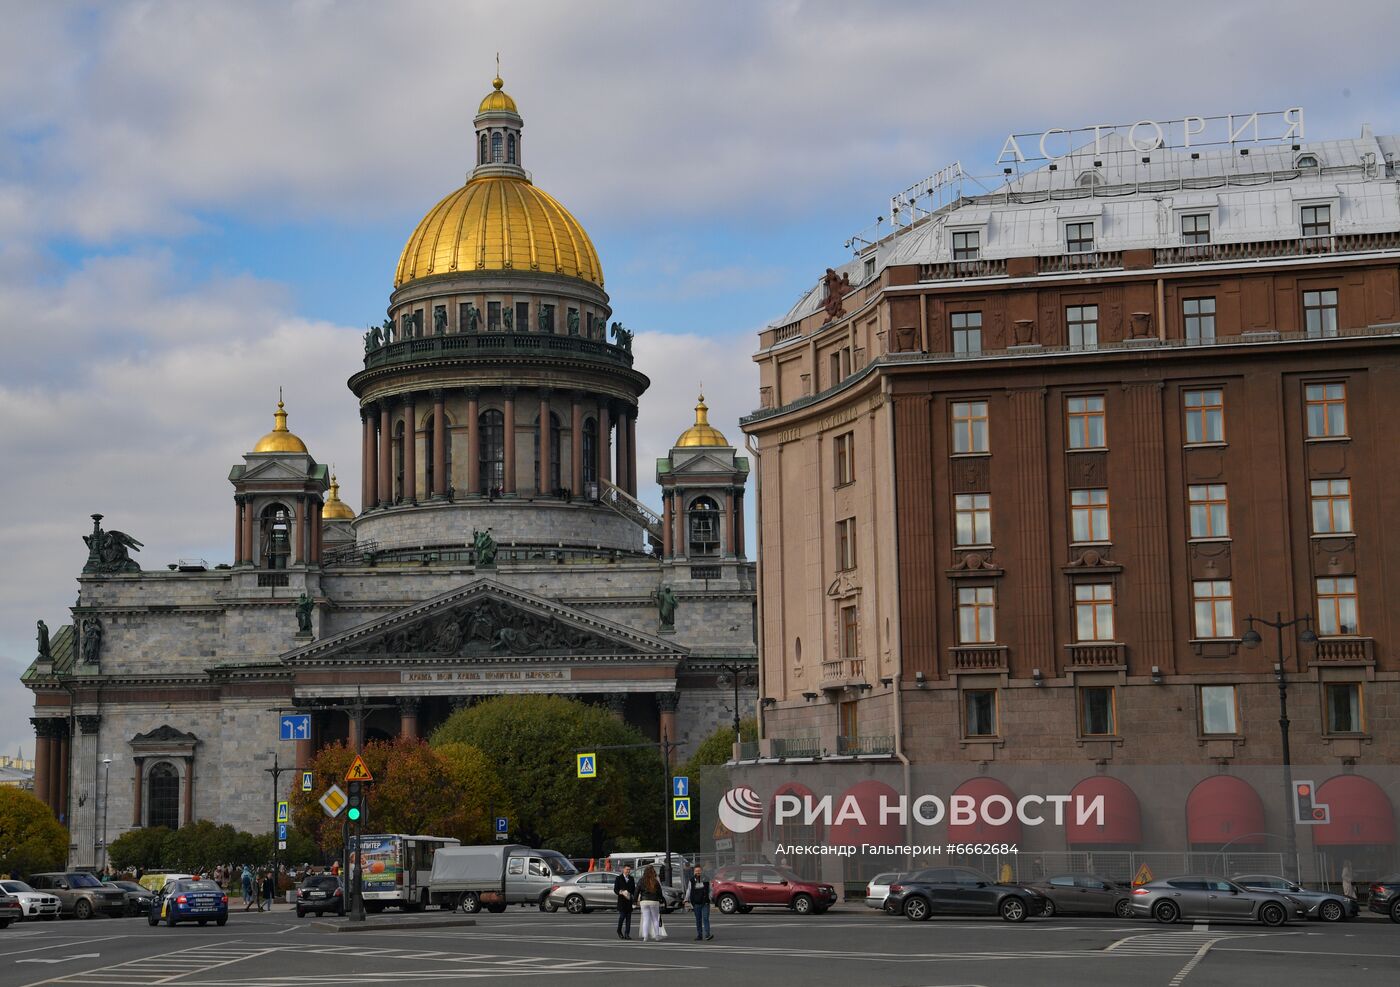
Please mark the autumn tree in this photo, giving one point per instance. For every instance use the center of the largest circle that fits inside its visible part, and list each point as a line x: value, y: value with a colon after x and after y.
x: 138, y: 848
x: 532, y: 740
x: 31, y: 839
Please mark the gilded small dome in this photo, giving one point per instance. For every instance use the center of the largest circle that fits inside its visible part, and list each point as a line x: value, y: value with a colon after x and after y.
x: 497, y: 100
x: 702, y: 433
x: 335, y: 509
x: 498, y: 223
x: 279, y: 439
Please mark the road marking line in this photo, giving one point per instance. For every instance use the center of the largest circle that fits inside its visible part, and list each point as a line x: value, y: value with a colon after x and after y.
x: 1201, y: 927
x: 60, y: 945
x: 1191, y: 963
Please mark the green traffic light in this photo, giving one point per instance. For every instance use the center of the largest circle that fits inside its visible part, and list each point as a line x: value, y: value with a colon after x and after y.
x: 353, y: 815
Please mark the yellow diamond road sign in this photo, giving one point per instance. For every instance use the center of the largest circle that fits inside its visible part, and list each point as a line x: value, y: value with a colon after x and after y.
x: 333, y: 801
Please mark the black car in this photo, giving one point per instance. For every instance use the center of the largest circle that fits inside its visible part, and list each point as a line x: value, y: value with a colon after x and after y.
x: 320, y: 893
x: 1085, y: 894
x: 961, y: 891
x: 138, y: 899
x: 1385, y: 897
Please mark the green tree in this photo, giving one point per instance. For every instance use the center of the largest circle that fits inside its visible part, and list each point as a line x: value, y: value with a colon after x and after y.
x: 138, y: 848
x: 31, y: 839
x: 532, y: 741
x: 481, y: 796
x: 718, y: 747
x: 200, y: 845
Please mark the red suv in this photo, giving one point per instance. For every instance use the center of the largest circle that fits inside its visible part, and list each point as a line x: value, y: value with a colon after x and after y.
x: 741, y: 887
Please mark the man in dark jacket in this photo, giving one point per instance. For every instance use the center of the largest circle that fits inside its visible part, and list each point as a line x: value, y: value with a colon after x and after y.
x: 625, y: 887
x: 697, y: 896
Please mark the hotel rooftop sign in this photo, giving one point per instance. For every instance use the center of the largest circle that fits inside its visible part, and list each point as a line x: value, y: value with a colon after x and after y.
x: 1148, y: 135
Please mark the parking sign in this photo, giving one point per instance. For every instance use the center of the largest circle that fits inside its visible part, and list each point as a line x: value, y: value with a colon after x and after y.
x: 281, y: 831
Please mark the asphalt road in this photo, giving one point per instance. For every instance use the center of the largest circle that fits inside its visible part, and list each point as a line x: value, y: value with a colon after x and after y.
x: 849, y: 945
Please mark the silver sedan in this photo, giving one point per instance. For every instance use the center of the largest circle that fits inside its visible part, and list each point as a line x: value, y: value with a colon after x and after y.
x: 585, y: 892
x: 1212, y: 899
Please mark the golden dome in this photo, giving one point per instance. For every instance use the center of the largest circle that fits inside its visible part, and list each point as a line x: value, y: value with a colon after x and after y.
x: 496, y: 101
x: 498, y: 223
x: 279, y: 439
x: 702, y: 433
x: 335, y: 509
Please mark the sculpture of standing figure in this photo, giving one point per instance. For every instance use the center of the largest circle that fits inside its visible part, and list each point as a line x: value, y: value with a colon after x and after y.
x: 508, y: 320
x: 44, y: 653
x: 623, y: 337
x: 91, y: 644
x: 439, y: 320
x: 304, y: 606
x: 573, y: 322
x: 485, y: 547
x: 665, y: 599
x: 473, y: 317
x: 546, y: 318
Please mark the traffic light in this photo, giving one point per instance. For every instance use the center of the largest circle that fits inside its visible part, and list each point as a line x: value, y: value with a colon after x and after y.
x: 1305, y: 809
x: 355, y: 811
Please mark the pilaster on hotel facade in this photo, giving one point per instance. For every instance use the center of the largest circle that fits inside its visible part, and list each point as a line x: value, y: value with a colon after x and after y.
x: 1028, y: 463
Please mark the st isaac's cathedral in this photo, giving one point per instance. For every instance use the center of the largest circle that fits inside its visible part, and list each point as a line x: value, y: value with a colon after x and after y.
x: 500, y: 546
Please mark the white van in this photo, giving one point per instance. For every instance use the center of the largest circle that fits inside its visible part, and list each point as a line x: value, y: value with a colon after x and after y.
x: 680, y: 867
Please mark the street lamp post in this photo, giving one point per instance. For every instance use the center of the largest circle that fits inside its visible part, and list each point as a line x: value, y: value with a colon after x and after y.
x: 276, y: 771
x: 1251, y: 639
x: 106, y: 799
x: 734, y: 674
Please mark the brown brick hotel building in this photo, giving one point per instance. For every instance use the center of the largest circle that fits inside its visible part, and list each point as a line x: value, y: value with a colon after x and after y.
x: 1029, y: 463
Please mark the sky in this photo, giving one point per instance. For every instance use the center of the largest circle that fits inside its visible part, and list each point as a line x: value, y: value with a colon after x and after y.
x: 201, y: 202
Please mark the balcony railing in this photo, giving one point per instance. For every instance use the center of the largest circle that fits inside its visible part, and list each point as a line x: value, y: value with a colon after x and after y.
x: 864, y: 746
x: 953, y: 269
x: 1096, y: 654
x: 748, y: 750
x: 1345, y: 651
x: 1090, y: 260
x: 978, y: 658
x: 840, y: 672
x: 797, y: 747
x: 494, y: 345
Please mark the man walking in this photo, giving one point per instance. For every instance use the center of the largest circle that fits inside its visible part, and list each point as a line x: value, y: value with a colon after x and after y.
x: 269, y: 889
x: 625, y: 887
x: 697, y: 895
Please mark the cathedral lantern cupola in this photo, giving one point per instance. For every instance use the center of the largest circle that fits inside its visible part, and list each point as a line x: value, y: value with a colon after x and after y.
x: 498, y: 126
x: 278, y: 496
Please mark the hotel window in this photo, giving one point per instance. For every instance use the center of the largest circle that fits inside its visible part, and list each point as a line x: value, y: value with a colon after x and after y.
x: 1326, y: 410
x: 1195, y: 228
x: 1320, y: 313
x: 1082, y: 322
x: 1336, y: 606
x: 1219, y: 709
x: 1096, y: 713
x: 1199, y: 315
x: 1344, y: 708
x: 1205, y: 417
x: 967, y: 245
x: 493, y: 316
x: 977, y: 621
x: 845, y: 450
x: 850, y: 633
x: 1088, y: 514
x: 846, y: 543
x: 1317, y: 220
x: 1331, y: 507
x: 967, y: 331
x: 1209, y: 510
x: 980, y: 713
x: 1214, y: 607
x: 1086, y: 422
x: 869, y: 268
x: 969, y: 426
x: 849, y: 715
x: 1079, y: 238
x: 1093, y: 611
x: 972, y: 519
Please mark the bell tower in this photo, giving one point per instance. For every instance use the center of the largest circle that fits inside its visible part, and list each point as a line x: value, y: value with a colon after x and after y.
x: 702, y: 496
x: 278, y: 496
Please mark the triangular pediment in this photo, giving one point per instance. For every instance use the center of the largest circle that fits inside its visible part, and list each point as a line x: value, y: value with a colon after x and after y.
x: 704, y: 463
x: 273, y: 469
x: 486, y: 621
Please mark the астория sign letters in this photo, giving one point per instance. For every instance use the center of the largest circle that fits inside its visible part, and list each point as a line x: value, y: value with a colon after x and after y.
x: 1148, y: 135
x: 929, y: 810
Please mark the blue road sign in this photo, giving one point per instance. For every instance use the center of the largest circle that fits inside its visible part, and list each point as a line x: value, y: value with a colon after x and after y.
x: 283, y: 813
x: 680, y: 787
x: 587, y: 765
x: 281, y: 831
x: 502, y: 824
x: 680, y: 809
x: 296, y: 727
x: 308, y: 779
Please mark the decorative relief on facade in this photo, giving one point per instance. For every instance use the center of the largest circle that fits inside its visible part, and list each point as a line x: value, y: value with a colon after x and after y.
x: 1209, y: 559
x: 1092, y: 558
x: 1205, y: 464
x: 970, y: 475
x: 1334, y: 556
x: 483, y: 629
x: 1087, y: 469
x: 1327, y: 458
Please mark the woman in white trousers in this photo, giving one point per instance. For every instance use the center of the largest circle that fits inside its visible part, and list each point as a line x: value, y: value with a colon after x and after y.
x: 649, y: 895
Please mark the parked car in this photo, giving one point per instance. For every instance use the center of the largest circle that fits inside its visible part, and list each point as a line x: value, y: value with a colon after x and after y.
x: 494, y: 876
x: 878, y: 888
x: 585, y: 892
x: 1213, y: 899
x: 680, y: 867
x: 961, y: 891
x: 1326, y: 905
x: 1084, y: 894
x: 1385, y: 897
x: 80, y: 894
x: 320, y: 893
x: 10, y: 909
x: 741, y: 887
x: 153, y: 881
x: 138, y: 899
x: 34, y: 904
x: 190, y: 901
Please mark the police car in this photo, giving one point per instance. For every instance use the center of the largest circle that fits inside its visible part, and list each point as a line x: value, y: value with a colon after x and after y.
x: 189, y: 901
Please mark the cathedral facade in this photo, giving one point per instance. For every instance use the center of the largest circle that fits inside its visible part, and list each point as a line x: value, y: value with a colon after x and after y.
x: 500, y: 547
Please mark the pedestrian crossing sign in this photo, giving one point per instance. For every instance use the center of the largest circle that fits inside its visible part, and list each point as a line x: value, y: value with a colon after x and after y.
x: 308, y: 779
x: 283, y: 815
x: 588, y: 765
x: 680, y: 809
